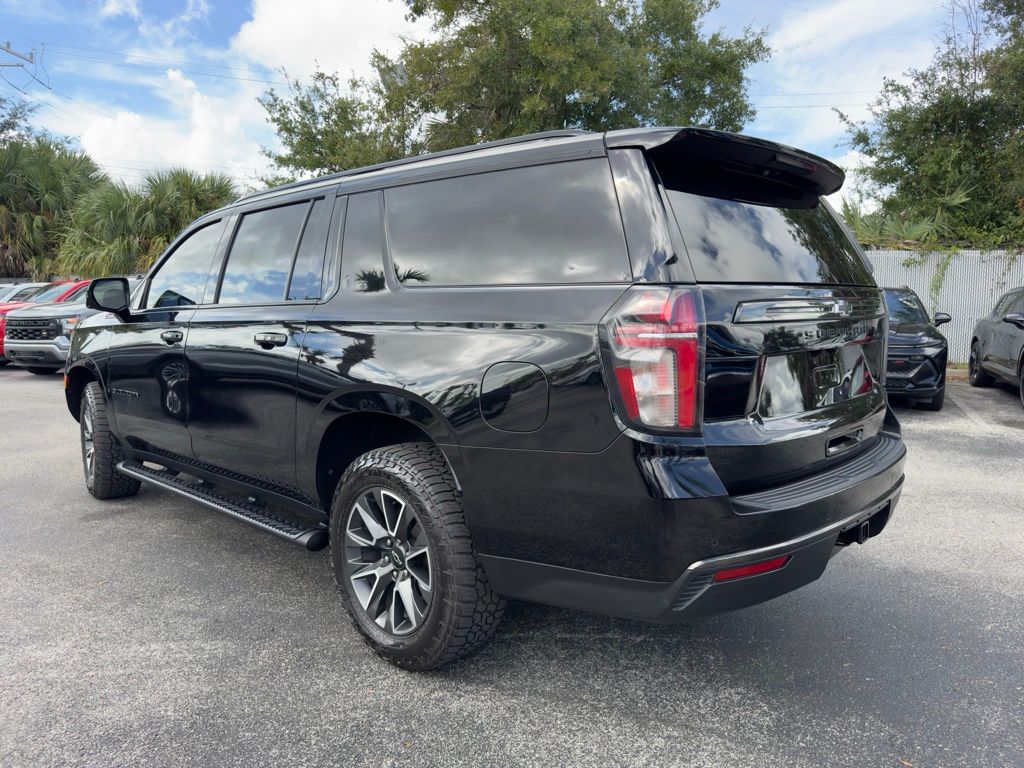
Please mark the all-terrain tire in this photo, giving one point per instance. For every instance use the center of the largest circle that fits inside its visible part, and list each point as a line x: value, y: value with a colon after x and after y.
x: 101, y: 476
x: 464, y: 610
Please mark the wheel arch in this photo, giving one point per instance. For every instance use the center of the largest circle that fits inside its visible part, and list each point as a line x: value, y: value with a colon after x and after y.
x: 75, y: 381
x: 352, y: 434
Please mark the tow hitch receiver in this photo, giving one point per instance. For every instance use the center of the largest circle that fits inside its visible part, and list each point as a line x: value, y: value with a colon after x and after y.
x: 855, y: 534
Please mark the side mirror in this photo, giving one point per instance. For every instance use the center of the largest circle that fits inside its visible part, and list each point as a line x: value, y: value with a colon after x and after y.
x: 109, y: 294
x: 941, y: 318
x: 1015, y: 318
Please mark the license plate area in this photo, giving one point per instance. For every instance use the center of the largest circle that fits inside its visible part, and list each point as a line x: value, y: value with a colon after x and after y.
x: 808, y: 380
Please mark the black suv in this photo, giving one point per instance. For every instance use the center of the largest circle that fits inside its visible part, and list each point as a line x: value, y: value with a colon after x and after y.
x: 997, y: 345
x: 917, y: 351
x: 637, y: 372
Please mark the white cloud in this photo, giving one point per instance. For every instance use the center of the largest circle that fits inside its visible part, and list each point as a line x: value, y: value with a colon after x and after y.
x: 820, y: 29
x: 215, y: 125
x: 120, y: 7
x: 838, y: 55
x: 340, y: 35
x: 853, y: 163
x: 201, y: 131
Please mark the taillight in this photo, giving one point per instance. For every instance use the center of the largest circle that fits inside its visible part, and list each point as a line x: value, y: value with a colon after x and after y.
x: 654, y: 338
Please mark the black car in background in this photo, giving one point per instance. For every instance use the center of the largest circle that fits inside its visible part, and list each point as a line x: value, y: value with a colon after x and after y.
x: 636, y: 372
x: 997, y: 345
x: 917, y: 351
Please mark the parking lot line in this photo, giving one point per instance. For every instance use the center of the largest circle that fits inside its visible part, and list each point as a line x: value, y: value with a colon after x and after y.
x: 971, y: 414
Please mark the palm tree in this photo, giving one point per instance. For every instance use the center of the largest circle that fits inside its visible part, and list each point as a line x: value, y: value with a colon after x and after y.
x: 120, y: 229
x: 40, y: 181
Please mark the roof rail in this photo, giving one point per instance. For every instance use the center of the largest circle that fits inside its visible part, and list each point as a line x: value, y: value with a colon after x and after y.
x: 561, y: 134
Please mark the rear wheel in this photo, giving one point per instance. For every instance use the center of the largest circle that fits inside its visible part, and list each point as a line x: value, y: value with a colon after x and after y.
x: 100, y: 451
x: 40, y: 371
x: 975, y: 373
x: 404, y: 561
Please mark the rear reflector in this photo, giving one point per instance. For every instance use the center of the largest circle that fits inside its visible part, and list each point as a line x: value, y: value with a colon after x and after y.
x: 753, y: 569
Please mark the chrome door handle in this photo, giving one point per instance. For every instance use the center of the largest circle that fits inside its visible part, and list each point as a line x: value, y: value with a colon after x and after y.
x: 268, y: 340
x: 172, y: 337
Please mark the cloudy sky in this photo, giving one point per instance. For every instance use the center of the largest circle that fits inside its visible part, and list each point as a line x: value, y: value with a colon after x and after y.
x: 151, y: 83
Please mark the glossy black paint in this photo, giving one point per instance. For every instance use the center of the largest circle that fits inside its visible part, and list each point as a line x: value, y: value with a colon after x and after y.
x: 918, y: 352
x: 1000, y: 338
x: 509, y: 382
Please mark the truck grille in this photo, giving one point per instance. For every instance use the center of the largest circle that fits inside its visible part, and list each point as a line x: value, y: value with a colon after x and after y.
x: 904, y: 363
x: 32, y: 330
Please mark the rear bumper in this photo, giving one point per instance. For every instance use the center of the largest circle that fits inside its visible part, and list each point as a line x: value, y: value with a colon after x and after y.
x: 45, y: 354
x: 865, y: 489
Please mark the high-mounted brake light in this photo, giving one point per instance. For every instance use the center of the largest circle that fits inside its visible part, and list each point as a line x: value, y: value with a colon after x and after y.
x: 654, y: 335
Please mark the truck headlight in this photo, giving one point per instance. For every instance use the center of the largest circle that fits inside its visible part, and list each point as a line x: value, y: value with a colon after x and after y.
x: 68, y: 324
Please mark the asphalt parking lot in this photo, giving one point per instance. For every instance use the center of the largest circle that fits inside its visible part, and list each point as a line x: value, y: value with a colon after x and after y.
x: 153, y: 632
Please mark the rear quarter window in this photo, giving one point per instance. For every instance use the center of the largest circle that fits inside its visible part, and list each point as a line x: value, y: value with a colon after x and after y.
x: 554, y: 224
x: 738, y: 242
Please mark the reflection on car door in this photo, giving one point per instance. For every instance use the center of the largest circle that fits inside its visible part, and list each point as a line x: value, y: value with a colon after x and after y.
x: 1004, y: 335
x: 243, y: 348
x: 147, y: 373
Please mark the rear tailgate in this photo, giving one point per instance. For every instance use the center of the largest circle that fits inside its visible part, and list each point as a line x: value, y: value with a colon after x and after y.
x: 796, y: 329
x: 785, y: 398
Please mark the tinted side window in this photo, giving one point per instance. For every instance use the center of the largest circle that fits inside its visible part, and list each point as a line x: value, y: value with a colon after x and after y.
x: 362, y: 263
x: 555, y: 223
x: 261, y: 255
x: 308, y: 275
x: 182, y: 278
x: 78, y: 295
x: 1002, y: 306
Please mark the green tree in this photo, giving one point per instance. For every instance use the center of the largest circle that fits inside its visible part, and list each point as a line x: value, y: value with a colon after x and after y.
x: 508, y: 67
x: 120, y: 229
x: 14, y: 120
x: 946, y: 144
x: 40, y: 181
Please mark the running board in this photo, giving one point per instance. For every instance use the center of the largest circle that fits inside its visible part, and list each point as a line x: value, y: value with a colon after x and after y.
x: 312, y: 536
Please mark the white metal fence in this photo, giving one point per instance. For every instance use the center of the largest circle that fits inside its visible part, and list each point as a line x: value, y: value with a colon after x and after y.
x: 972, y: 283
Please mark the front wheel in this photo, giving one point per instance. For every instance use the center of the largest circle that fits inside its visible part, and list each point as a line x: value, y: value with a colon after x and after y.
x: 100, y: 450
x: 935, y: 403
x: 975, y: 373
x: 404, y: 561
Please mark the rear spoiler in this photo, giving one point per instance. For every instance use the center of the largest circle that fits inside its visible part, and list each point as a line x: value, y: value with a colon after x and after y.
x: 732, y: 166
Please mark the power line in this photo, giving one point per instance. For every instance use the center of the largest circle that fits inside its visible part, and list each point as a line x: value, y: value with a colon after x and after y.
x: 808, y: 106
x: 183, y: 70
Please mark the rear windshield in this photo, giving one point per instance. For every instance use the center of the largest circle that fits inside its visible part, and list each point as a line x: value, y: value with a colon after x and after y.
x: 734, y: 242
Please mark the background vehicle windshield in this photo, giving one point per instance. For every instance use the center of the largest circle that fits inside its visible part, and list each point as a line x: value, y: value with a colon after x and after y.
x: 904, y: 308
x: 50, y: 293
x: 26, y: 293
